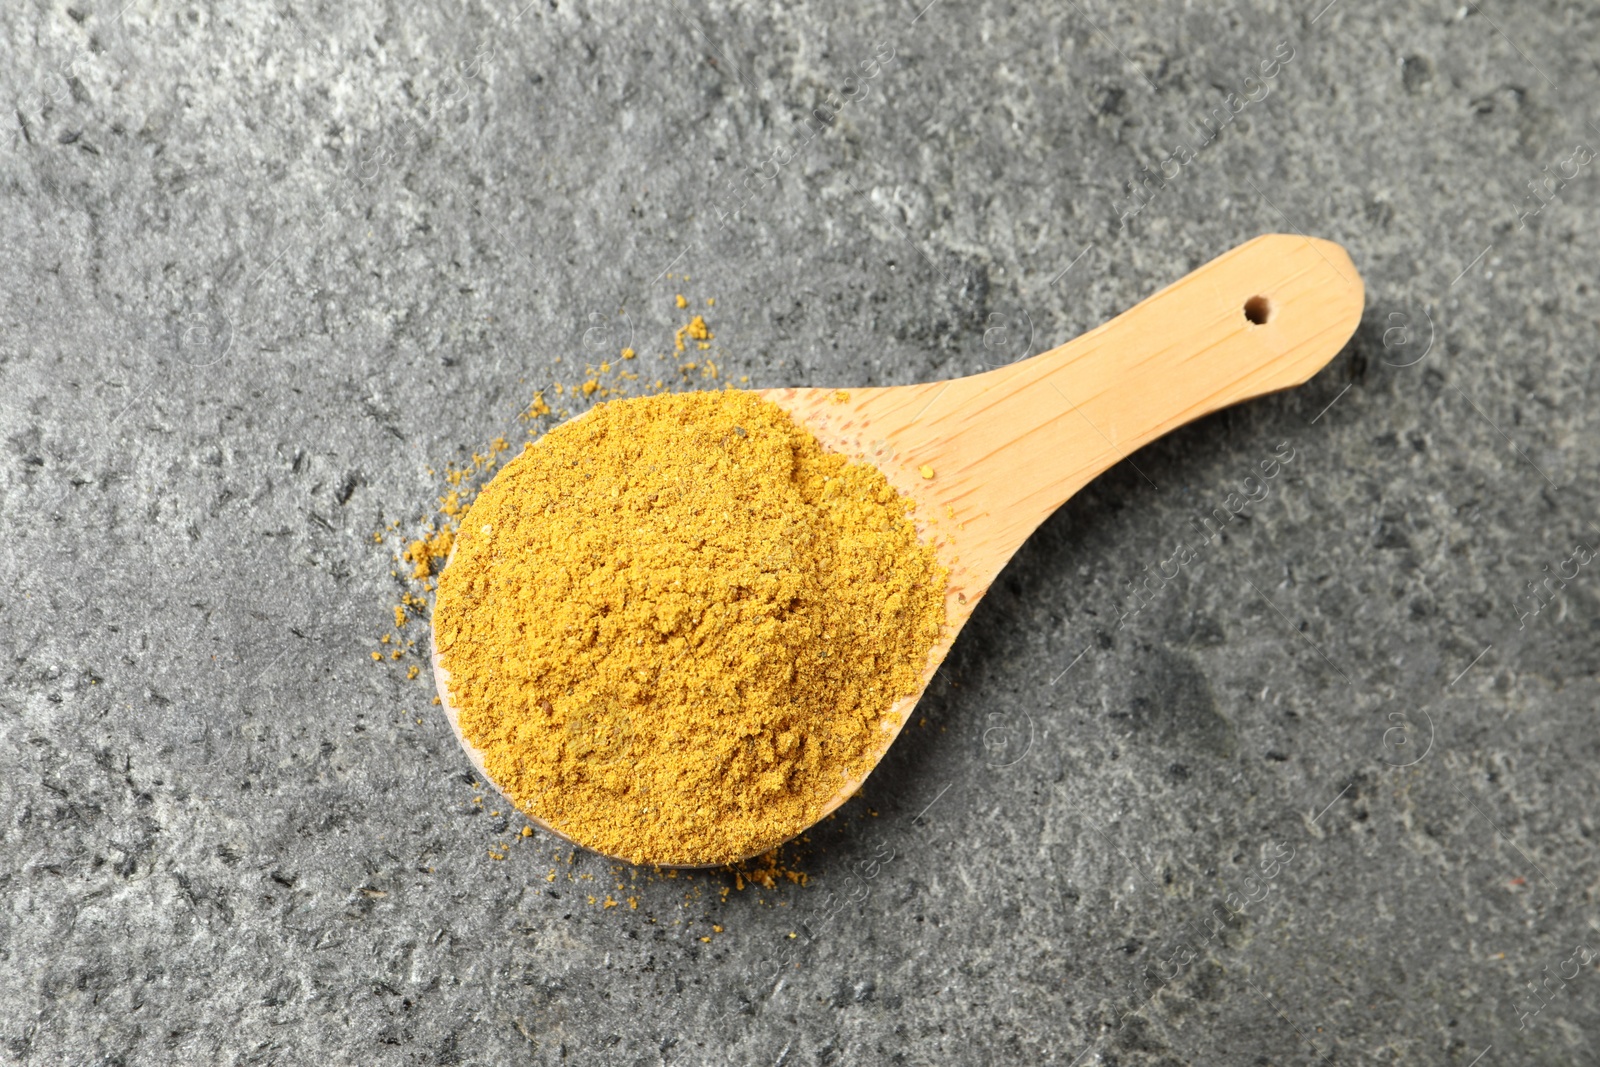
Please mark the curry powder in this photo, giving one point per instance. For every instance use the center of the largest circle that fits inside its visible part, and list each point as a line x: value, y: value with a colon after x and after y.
x: 674, y: 625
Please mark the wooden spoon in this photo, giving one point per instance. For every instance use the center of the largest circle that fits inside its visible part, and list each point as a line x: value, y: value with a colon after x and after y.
x: 1009, y: 446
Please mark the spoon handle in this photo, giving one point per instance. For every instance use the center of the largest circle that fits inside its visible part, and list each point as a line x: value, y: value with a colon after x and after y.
x: 1020, y: 440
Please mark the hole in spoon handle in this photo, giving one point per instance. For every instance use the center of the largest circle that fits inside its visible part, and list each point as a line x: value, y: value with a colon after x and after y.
x: 1263, y: 317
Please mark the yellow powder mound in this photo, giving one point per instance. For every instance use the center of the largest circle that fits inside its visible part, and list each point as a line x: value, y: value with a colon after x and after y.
x: 671, y: 625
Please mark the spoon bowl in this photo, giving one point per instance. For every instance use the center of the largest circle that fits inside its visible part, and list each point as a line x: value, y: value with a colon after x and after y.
x: 988, y: 457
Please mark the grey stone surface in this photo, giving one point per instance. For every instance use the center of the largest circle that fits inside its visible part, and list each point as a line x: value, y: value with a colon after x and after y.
x: 1326, y: 798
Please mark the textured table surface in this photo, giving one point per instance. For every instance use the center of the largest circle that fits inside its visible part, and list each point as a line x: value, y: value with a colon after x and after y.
x: 1325, y: 793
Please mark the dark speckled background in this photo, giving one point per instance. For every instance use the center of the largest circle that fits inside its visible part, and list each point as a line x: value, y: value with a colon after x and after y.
x: 1328, y: 798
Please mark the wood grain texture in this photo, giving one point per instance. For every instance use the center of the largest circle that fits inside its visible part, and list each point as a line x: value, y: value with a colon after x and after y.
x: 1009, y: 446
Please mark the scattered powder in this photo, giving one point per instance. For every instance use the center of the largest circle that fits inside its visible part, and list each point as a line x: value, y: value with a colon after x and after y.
x: 695, y: 329
x: 673, y: 624
x: 765, y: 870
x: 422, y: 552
